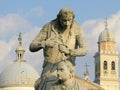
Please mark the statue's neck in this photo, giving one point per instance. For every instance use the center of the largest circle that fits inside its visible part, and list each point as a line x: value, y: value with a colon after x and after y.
x: 63, y: 30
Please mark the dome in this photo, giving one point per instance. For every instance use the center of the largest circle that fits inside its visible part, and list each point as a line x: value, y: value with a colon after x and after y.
x: 106, y: 35
x: 18, y: 74
x: 20, y: 47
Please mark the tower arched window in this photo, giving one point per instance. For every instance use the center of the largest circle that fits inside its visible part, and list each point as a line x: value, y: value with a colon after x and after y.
x: 112, y: 65
x: 105, y: 65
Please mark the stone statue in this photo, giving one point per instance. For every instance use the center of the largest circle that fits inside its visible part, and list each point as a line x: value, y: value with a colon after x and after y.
x: 66, y: 78
x: 60, y: 39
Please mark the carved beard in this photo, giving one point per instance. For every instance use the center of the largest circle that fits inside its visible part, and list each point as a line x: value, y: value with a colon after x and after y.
x: 63, y: 80
x: 64, y: 27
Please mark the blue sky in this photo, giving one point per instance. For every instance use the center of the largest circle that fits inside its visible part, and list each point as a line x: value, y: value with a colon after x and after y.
x: 84, y: 9
x: 29, y: 16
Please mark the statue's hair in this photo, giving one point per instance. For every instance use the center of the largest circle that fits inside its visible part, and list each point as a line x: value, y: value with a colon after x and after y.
x: 65, y: 11
x: 70, y: 67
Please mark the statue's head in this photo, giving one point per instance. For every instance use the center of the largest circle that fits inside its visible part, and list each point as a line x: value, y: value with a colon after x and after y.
x: 65, y: 70
x: 65, y: 17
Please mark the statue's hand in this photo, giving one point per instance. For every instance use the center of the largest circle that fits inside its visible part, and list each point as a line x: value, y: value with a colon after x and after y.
x: 50, y: 43
x: 63, y: 49
x: 45, y: 44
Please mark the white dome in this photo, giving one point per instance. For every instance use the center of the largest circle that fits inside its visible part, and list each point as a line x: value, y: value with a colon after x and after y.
x: 106, y: 35
x: 18, y: 74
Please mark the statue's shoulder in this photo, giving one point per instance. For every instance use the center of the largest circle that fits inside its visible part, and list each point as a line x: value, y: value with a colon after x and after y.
x: 50, y: 23
x: 76, y: 25
x: 79, y: 84
x: 76, y: 28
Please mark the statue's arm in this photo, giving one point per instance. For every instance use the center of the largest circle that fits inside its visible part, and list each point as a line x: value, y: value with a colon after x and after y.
x: 81, y: 44
x: 39, y: 41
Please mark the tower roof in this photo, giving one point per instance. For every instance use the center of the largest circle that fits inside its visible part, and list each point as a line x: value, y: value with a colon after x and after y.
x: 19, y: 73
x: 106, y: 35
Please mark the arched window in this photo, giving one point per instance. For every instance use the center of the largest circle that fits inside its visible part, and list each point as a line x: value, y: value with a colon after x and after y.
x: 112, y: 65
x: 105, y: 65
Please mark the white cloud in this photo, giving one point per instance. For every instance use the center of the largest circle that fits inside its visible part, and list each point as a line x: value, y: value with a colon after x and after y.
x: 115, y: 28
x: 10, y: 26
x: 4, y: 49
x: 13, y: 23
x: 93, y: 28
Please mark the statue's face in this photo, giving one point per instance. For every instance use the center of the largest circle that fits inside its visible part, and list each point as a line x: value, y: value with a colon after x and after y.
x: 66, y: 20
x: 63, y: 72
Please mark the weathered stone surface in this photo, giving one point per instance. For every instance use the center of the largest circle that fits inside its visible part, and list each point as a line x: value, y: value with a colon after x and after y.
x: 60, y: 39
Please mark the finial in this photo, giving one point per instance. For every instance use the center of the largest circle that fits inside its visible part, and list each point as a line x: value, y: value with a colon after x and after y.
x: 20, y: 38
x: 106, y: 25
x: 86, y: 65
x: 86, y: 73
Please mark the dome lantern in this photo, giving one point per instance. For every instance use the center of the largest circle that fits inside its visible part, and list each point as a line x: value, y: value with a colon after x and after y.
x: 20, y: 50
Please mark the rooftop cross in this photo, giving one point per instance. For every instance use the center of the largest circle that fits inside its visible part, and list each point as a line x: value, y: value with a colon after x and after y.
x: 106, y: 25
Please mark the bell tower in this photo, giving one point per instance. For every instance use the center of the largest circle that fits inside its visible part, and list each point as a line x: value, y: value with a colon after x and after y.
x: 106, y: 61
